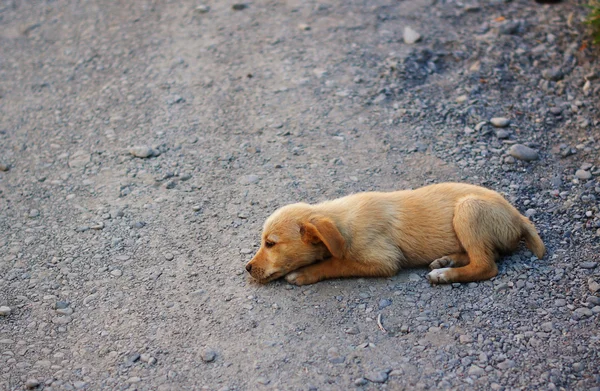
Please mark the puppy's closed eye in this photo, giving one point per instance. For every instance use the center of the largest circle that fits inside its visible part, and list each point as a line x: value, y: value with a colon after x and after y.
x: 269, y: 244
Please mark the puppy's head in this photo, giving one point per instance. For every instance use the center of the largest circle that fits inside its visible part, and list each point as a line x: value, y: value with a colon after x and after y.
x: 293, y: 237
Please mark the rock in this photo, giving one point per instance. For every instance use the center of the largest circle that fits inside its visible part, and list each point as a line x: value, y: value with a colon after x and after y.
x: 117, y: 273
x: 4, y: 166
x: 169, y: 256
x: 90, y: 298
x: 334, y: 357
x: 502, y: 134
x: 547, y: 326
x: 464, y: 339
x: 5, y: 311
x: 361, y: 381
x: 208, y: 355
x: 201, y: 9
x: 500, y: 122
x: 583, y: 175
x: 79, y: 159
x: 560, y: 302
x: 32, y: 383
x: 410, y: 36
x: 377, y: 377
x: 143, y: 152
x: 263, y: 380
x: 352, y: 330
x: 553, y: 74
x: 474, y: 370
x: 595, y: 300
x: 521, y: 152
x: 384, y: 303
x: 239, y: 7
x: 593, y: 285
x: 582, y: 313
x: 249, y: 179
x: 588, y: 265
x: 304, y: 27
x: 132, y: 359
x: 506, y: 364
x: 246, y: 251
x: 62, y: 320
x: 33, y: 213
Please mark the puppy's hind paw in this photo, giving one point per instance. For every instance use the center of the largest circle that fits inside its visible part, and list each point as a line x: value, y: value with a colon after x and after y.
x: 441, y: 262
x: 439, y: 276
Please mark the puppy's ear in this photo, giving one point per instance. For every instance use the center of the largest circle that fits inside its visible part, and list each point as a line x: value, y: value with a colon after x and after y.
x: 323, y: 230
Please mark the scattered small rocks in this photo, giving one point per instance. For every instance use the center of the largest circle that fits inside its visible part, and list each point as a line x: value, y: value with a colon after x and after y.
x: 500, y: 122
x: 410, y: 36
x: 143, y: 152
x: 521, y: 152
x: 5, y: 310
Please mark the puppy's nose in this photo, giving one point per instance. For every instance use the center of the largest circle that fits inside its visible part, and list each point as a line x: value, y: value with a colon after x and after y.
x: 248, y: 268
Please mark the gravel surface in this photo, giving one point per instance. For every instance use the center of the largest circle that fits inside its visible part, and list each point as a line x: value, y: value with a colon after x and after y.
x: 143, y: 143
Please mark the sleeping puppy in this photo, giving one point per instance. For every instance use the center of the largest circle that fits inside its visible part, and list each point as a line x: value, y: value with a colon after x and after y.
x: 456, y: 229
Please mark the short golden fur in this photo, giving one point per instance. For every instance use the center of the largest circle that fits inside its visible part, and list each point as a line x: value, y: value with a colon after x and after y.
x: 456, y: 229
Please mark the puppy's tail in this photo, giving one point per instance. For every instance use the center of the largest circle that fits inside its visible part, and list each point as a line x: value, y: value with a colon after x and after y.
x: 532, y: 239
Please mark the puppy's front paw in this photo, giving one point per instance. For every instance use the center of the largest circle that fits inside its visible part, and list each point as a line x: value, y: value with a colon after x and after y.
x: 299, y: 278
x: 439, y: 276
x: 441, y: 262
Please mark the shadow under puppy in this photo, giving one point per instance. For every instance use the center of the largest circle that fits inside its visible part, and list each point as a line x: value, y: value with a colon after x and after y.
x: 458, y: 230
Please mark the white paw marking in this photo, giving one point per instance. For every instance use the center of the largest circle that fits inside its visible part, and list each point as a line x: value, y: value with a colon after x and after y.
x: 438, y: 276
x: 291, y: 277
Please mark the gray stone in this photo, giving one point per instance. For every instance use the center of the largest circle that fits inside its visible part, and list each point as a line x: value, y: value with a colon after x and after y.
x: 208, y: 355
x: 502, y: 134
x: 547, y: 326
x: 560, y: 302
x: 377, y: 377
x: 464, y: 339
x: 588, y: 265
x: 201, y: 9
x: 143, y: 152
x: 5, y: 311
x: 475, y: 370
x: 500, y: 122
x: 553, y: 74
x: 521, y: 152
x: 593, y: 285
x: 506, y: 364
x: 384, y: 303
x: 59, y: 305
x: 583, y: 175
x: 361, y: 381
x: 79, y: 159
x: 410, y: 36
x: 31, y: 383
x: 4, y: 166
x: 117, y: 272
x: 33, y: 213
x: 169, y: 256
x: 595, y: 300
x: 582, y: 313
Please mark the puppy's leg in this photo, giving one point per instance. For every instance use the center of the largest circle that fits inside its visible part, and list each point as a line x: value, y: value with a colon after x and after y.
x: 336, y: 268
x: 452, y: 260
x: 481, y: 226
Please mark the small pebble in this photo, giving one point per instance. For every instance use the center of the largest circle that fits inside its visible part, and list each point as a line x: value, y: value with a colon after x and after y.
x: 31, y: 383
x: 202, y: 9
x: 169, y: 256
x: 4, y: 166
x: 143, y: 152
x: 588, y: 265
x: 117, y: 273
x: 411, y: 36
x: 361, y: 381
x: 500, y: 122
x: 377, y: 377
x: 583, y: 175
x: 502, y: 134
x: 33, y: 213
x: 208, y: 355
x: 303, y: 27
x: 521, y: 152
x: 554, y: 74
x: 239, y: 6
x: 5, y: 311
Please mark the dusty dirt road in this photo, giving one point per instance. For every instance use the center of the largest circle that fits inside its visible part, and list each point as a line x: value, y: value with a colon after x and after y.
x: 121, y: 272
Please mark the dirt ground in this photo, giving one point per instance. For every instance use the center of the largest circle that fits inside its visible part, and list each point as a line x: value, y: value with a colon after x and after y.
x: 123, y: 272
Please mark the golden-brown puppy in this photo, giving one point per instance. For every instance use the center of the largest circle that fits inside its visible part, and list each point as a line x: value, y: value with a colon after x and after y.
x: 459, y: 230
